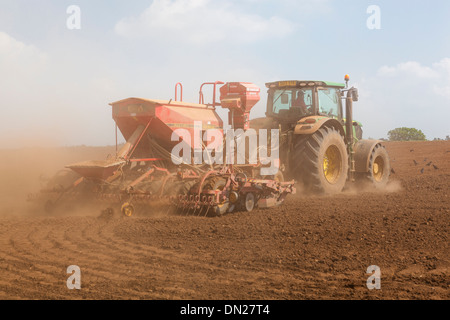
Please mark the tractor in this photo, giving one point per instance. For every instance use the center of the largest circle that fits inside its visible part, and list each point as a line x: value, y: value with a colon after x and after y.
x: 320, y: 146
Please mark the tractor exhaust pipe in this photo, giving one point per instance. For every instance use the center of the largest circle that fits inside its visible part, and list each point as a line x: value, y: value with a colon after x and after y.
x: 352, y: 95
x: 349, y: 117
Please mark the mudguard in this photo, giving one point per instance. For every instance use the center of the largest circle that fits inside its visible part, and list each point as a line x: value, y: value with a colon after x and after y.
x: 309, y: 125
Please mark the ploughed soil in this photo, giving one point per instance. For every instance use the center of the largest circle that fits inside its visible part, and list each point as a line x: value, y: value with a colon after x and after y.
x: 311, y: 247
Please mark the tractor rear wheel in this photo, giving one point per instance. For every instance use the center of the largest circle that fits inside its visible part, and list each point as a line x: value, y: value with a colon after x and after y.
x: 320, y: 161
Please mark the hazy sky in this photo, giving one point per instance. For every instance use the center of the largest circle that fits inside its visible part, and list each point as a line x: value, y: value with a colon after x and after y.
x: 56, y: 83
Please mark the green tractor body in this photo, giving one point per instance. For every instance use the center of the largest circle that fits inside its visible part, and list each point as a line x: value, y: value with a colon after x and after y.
x: 320, y: 144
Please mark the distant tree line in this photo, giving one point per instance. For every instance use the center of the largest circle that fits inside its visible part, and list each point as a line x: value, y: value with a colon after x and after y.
x: 447, y: 138
x: 406, y: 134
x: 409, y: 134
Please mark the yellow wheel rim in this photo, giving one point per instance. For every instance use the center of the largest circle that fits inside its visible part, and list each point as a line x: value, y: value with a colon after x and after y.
x: 332, y: 163
x: 378, y: 169
x: 127, y: 209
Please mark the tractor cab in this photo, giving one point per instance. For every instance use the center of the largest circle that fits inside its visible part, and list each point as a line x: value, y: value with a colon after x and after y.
x: 290, y: 101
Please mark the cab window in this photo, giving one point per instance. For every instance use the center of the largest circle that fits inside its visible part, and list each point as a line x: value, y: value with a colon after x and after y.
x: 282, y: 100
x: 329, y: 102
x: 292, y: 102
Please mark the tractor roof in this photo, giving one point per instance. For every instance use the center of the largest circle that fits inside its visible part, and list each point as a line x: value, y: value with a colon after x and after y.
x: 303, y: 83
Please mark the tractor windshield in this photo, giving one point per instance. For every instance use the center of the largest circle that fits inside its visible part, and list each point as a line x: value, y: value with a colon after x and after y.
x: 292, y: 102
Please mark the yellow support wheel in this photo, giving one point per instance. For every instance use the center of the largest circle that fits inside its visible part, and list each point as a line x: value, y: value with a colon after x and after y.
x: 127, y: 209
x: 378, y: 169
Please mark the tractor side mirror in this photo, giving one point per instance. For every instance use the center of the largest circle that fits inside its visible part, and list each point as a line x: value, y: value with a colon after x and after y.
x: 355, y: 95
x: 284, y: 98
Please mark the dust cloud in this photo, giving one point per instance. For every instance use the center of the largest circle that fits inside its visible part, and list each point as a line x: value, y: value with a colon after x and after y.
x: 365, y: 186
x: 351, y: 189
x: 25, y: 171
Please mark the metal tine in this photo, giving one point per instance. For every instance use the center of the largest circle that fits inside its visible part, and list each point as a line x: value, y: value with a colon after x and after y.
x: 195, y: 209
x: 199, y: 208
x: 176, y: 205
x: 190, y: 206
x: 209, y: 206
x: 202, y: 205
x: 197, y: 205
x: 202, y: 209
x: 169, y: 209
x: 185, y: 211
x: 207, y: 210
x: 188, y: 209
x: 182, y: 206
